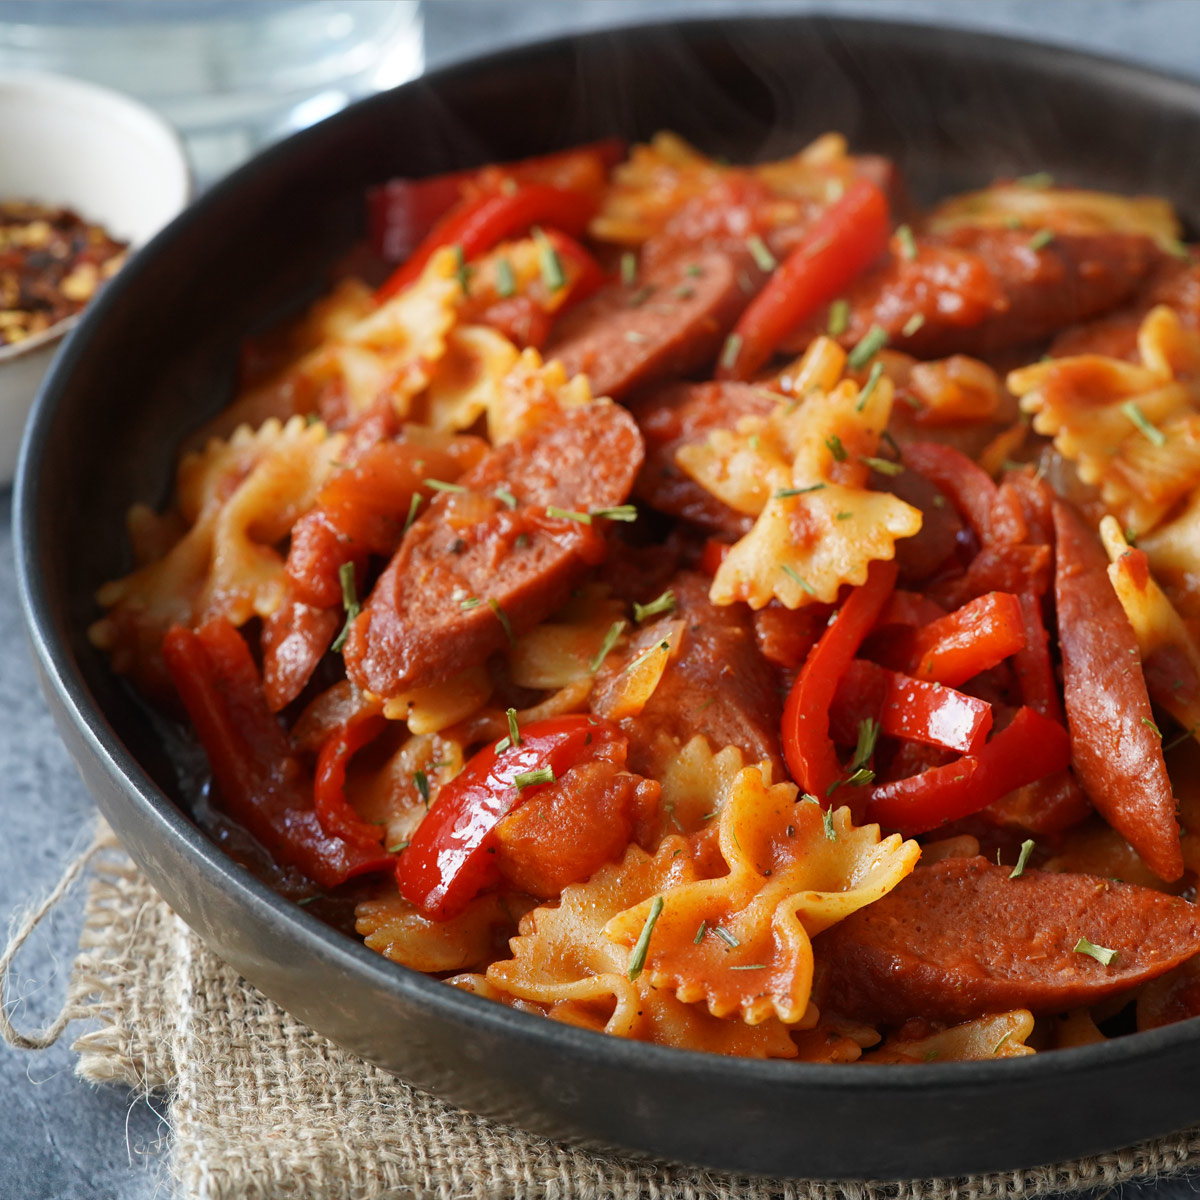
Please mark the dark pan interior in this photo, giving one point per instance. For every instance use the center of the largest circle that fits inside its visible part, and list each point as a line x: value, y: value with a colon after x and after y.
x: 154, y: 357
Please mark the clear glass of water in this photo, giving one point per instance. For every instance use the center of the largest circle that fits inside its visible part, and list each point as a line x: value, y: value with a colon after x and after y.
x: 231, y: 75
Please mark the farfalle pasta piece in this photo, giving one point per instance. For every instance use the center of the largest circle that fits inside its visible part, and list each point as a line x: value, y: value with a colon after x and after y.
x: 532, y: 390
x: 563, y: 649
x: 469, y: 379
x: 803, y: 471
x: 696, y: 783
x: 241, y: 499
x: 440, y: 705
x: 741, y: 943
x: 1001, y: 1035
x: 562, y: 961
x: 1131, y: 430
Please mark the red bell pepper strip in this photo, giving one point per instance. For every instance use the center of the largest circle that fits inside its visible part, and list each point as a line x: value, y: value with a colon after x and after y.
x: 1033, y: 665
x: 263, y: 785
x: 337, y: 817
x: 451, y: 856
x: 834, y: 252
x: 911, y: 709
x: 971, y: 639
x: 402, y: 211
x: 1031, y: 747
x: 478, y: 225
x: 807, y: 746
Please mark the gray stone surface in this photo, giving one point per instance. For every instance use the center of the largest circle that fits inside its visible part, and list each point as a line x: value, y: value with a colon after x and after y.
x: 63, y: 1140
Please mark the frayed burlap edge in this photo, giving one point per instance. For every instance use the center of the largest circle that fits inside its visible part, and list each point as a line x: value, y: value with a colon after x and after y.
x: 263, y: 1108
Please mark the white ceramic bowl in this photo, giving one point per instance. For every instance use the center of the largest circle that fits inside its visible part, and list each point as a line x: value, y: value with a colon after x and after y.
x: 106, y: 156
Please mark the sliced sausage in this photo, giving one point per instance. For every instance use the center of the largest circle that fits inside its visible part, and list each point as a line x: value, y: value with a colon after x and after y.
x: 960, y: 938
x: 679, y: 415
x: 717, y: 683
x: 472, y: 569
x: 668, y: 323
x: 980, y: 291
x: 1115, y: 749
x: 294, y: 639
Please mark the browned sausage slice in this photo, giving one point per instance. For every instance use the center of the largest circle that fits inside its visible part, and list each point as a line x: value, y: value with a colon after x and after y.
x: 980, y: 291
x: 472, y: 568
x: 1115, y: 750
x: 679, y: 415
x: 960, y: 938
x: 717, y: 684
x: 668, y: 323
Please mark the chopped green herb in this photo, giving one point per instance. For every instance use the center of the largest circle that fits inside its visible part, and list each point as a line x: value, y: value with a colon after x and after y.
x: 462, y: 270
x: 1022, y: 859
x: 726, y: 936
x: 663, y: 604
x: 868, y: 734
x: 397, y: 847
x: 1131, y: 536
x: 567, y: 514
x: 684, y: 291
x: 860, y: 777
x: 908, y: 243
x: 506, y: 283
x: 637, y: 960
x: 788, y: 493
x: 1013, y: 222
x: 309, y: 899
x: 505, y: 623
x: 762, y: 256
x: 551, y: 265
x: 732, y: 348
x: 798, y: 580
x: 695, y: 270
x: 872, y: 342
x: 619, y: 512
x: 843, y: 516
x: 522, y: 541
x: 1041, y: 239
x: 311, y: 419
x: 514, y: 732
x: 1133, y: 411
x: 808, y: 798
x: 1000, y: 1044
x: 505, y: 497
x: 1154, y: 729
x: 531, y: 778
x: 440, y: 485
x: 1039, y: 179
x: 833, y: 444
x: 700, y: 933
x: 641, y: 658
x: 629, y: 268
x: 839, y: 317
x: 913, y: 324
x: 422, y: 782
x: 469, y: 603
x: 1176, y: 248
x: 869, y: 386
x: 750, y: 967
x: 885, y: 466
x: 349, y: 603
x: 610, y: 640
x: 1102, y: 954
x: 827, y: 819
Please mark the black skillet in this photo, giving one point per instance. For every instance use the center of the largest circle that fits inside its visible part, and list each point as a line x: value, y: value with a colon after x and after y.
x: 154, y: 357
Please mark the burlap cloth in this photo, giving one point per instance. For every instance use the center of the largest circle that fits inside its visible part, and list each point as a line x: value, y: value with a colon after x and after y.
x: 263, y: 1108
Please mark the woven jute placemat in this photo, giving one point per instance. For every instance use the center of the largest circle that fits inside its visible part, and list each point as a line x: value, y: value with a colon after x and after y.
x: 263, y: 1108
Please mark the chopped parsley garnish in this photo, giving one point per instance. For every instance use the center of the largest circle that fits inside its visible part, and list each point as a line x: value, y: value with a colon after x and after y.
x: 514, y: 732
x: 637, y: 960
x: 762, y: 256
x: 629, y: 268
x: 788, y: 493
x: 349, y: 603
x: 1000, y: 1044
x: 872, y: 342
x: 619, y: 512
x: 640, y: 297
x: 833, y: 444
x: 1022, y: 859
x: 750, y: 967
x: 1132, y: 410
x: 610, y: 640
x: 1154, y: 729
x: 506, y: 283
x: 868, y: 387
x: 700, y: 933
x: 397, y: 847
x: 567, y: 514
x: 731, y: 350
x: 505, y: 497
x: 1102, y: 954
x: 684, y: 291
x: 726, y: 936
x: 462, y: 270
x: 1176, y: 248
x: 913, y: 324
x: 469, y: 603
x: 1039, y: 179
x: 532, y: 778
x: 839, y: 317
x: 413, y: 506
x: 885, y: 466
x: 843, y: 516
x: 505, y: 623
x: 645, y: 657
x: 1041, y: 239
x: 908, y: 243
x: 656, y: 608
x: 798, y: 580
x: 422, y: 782
x: 868, y: 734
x: 309, y: 899
x: 553, y: 275
x: 695, y: 270
x: 827, y: 818
x: 440, y: 485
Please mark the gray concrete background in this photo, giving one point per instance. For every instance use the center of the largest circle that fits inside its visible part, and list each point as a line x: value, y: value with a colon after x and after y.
x: 63, y: 1140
